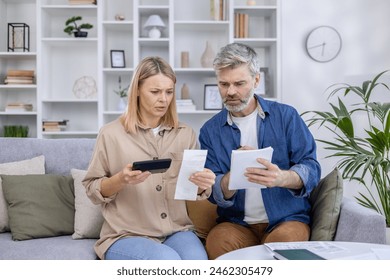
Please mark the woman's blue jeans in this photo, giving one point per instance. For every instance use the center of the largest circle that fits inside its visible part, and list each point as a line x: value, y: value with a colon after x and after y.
x: 183, y: 245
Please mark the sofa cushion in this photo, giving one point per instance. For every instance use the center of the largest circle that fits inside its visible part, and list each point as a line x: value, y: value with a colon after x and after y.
x: 34, y: 165
x: 88, y: 218
x: 326, y: 204
x: 39, y: 205
x: 49, y: 248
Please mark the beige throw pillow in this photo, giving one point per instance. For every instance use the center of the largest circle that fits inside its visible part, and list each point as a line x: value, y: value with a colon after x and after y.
x: 30, y: 166
x: 88, y: 218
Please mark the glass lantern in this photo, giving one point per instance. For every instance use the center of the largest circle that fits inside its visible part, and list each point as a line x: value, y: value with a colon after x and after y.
x: 18, y: 37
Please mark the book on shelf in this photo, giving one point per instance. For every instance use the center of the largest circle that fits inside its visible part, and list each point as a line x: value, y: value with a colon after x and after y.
x: 54, y: 125
x: 81, y: 2
x: 184, y: 105
x: 219, y: 9
x: 20, y: 73
x: 241, y: 25
x: 18, y: 107
x: 18, y: 81
x: 19, y: 77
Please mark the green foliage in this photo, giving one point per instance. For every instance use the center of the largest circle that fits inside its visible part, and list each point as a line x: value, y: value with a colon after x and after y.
x: 15, y: 131
x: 121, y: 92
x: 360, y: 157
x: 71, y: 25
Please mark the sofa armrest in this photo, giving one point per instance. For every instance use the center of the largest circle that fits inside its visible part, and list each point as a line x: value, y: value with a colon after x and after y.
x: 360, y: 224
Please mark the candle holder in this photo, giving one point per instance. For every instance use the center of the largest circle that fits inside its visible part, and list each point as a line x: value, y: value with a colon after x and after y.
x: 18, y: 37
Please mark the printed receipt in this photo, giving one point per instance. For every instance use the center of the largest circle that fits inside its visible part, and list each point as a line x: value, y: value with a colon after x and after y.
x: 193, y: 161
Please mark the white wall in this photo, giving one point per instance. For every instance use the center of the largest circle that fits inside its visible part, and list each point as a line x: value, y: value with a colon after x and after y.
x: 364, y: 26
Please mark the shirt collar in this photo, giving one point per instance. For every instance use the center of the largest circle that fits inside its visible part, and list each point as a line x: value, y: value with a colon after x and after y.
x: 259, y: 108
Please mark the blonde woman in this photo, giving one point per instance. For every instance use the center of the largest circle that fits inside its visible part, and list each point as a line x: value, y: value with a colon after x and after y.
x: 142, y: 218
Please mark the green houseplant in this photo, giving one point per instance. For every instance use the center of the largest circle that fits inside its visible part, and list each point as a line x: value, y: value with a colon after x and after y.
x: 71, y: 26
x: 15, y: 131
x: 362, y: 158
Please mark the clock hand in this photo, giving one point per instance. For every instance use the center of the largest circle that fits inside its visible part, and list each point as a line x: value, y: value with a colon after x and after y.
x: 317, y: 46
x: 323, y: 48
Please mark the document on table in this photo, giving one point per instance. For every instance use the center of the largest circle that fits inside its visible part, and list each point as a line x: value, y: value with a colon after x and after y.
x: 193, y: 161
x: 240, y: 161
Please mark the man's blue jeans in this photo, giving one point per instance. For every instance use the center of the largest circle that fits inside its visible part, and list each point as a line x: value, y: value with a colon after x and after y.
x: 178, y: 246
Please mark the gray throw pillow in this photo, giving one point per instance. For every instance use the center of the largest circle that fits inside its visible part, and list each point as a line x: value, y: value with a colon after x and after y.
x: 39, y: 205
x: 326, y: 200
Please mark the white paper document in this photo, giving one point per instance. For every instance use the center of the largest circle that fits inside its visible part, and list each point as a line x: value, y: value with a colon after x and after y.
x: 193, y: 161
x: 240, y: 161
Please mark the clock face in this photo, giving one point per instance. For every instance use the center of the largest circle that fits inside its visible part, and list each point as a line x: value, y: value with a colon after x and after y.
x: 323, y: 43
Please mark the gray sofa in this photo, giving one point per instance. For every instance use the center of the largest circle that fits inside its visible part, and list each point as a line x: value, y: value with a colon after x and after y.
x: 61, y: 155
x: 355, y: 222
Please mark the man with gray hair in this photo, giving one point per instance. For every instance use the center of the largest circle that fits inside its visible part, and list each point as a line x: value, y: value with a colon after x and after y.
x: 253, y: 216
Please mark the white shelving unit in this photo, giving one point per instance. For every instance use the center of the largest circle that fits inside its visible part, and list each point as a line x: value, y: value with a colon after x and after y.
x: 59, y: 59
x: 16, y: 11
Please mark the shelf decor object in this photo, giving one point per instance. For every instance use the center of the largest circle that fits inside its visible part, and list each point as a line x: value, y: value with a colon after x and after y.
x: 154, y: 25
x: 122, y: 93
x: 15, y: 131
x: 72, y: 27
x: 18, y: 37
x: 207, y: 57
x: 118, y: 59
x: 85, y: 88
x: 212, y: 98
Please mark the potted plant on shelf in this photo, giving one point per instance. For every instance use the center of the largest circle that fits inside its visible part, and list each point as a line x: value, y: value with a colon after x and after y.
x: 364, y: 159
x: 15, y: 131
x: 71, y: 26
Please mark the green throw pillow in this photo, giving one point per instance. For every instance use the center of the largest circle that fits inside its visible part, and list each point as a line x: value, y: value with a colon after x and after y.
x: 326, y: 200
x: 39, y: 205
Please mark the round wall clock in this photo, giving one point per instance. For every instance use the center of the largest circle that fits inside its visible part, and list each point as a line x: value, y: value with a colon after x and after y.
x: 323, y: 43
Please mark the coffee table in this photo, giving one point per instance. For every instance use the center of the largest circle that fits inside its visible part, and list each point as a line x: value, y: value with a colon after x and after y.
x: 331, y: 250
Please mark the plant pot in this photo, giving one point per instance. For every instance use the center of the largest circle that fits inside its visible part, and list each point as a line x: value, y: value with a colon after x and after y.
x: 81, y: 34
x: 388, y: 235
x: 122, y: 104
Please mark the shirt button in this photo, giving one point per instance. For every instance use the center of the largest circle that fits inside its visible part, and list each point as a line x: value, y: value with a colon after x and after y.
x: 163, y: 215
x: 158, y: 188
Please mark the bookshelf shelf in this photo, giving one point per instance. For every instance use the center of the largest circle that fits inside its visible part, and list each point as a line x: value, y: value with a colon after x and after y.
x: 60, y: 60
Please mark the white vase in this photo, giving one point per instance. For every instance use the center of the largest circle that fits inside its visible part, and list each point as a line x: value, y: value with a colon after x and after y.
x: 122, y: 104
x: 207, y: 57
x: 388, y: 235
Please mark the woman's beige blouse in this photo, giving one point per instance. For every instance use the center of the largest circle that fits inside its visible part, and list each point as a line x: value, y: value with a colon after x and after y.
x: 146, y: 209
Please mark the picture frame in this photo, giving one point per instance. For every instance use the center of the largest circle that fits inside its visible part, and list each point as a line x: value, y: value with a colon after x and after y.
x: 263, y: 86
x: 212, y: 97
x: 118, y: 59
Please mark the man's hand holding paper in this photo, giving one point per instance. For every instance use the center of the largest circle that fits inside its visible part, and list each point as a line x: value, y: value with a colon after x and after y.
x: 248, y: 168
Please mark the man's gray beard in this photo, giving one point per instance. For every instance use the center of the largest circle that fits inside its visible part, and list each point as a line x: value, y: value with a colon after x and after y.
x: 242, y: 106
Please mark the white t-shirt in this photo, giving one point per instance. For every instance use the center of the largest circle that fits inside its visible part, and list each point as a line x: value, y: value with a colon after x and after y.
x: 254, y: 206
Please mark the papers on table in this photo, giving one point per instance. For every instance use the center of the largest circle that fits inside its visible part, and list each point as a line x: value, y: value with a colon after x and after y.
x: 240, y: 161
x: 336, y: 250
x: 193, y: 161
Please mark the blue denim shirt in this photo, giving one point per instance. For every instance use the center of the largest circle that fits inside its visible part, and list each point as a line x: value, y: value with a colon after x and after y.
x: 281, y: 127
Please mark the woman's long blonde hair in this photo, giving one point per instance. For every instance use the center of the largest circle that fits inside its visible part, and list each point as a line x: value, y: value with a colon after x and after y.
x: 149, y: 66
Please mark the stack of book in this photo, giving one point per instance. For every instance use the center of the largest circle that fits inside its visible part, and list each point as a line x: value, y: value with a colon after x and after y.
x: 19, y: 77
x: 185, y: 105
x: 82, y: 2
x: 218, y: 9
x: 18, y: 107
x: 53, y: 125
x: 241, y: 25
